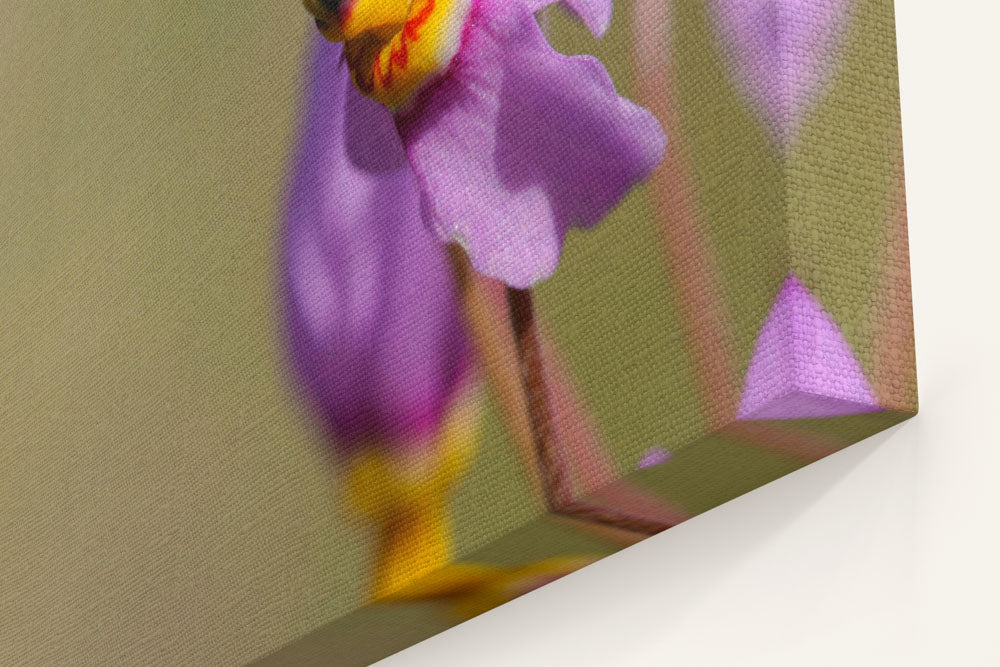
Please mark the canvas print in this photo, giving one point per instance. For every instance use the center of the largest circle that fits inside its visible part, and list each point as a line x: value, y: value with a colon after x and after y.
x: 491, y: 290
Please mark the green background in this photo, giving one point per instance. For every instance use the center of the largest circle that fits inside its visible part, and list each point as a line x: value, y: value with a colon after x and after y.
x: 163, y: 498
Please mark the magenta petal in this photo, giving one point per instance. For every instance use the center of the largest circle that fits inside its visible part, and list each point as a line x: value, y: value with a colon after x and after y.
x: 517, y: 143
x: 653, y: 457
x: 374, y: 331
x: 782, y: 52
x: 802, y: 365
x: 595, y: 14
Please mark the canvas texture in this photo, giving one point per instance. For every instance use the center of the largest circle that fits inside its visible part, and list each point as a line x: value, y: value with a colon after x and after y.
x: 328, y: 327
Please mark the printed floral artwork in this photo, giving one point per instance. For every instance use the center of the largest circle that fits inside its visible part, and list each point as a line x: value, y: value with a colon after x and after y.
x: 659, y: 292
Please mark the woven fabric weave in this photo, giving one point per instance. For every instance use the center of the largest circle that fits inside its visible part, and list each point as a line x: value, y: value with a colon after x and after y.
x: 169, y: 496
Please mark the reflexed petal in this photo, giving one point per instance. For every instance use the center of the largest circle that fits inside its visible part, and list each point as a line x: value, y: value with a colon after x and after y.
x: 517, y: 143
x: 373, y: 326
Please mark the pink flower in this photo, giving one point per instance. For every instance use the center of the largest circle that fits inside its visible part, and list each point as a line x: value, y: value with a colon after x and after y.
x: 374, y: 328
x: 783, y: 53
x: 511, y: 142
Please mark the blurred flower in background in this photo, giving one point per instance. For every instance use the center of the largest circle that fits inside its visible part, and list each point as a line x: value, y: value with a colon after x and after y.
x: 782, y: 53
x: 374, y: 329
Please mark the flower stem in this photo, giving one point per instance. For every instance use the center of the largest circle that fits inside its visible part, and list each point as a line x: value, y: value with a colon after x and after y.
x: 520, y: 307
x: 526, y: 391
x: 556, y: 484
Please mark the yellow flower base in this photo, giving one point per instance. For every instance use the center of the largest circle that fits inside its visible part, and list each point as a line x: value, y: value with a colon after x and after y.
x: 394, y: 47
x: 406, y: 498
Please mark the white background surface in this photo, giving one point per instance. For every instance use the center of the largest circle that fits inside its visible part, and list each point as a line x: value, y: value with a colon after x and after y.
x: 887, y: 553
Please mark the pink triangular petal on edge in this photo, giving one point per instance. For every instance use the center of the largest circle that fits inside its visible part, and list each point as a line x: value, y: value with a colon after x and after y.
x: 782, y: 54
x: 654, y: 457
x: 802, y: 366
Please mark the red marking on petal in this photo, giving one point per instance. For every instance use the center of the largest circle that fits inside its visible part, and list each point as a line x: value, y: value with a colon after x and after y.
x: 399, y: 55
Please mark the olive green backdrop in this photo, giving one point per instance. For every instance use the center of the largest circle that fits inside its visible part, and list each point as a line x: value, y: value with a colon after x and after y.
x: 163, y: 496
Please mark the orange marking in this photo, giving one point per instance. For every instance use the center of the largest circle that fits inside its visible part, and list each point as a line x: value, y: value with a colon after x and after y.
x: 399, y: 55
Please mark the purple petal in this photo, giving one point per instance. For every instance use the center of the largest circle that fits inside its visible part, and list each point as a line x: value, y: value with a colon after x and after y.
x: 595, y: 14
x: 517, y: 143
x: 783, y: 52
x: 802, y: 365
x: 374, y: 331
x: 654, y: 457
